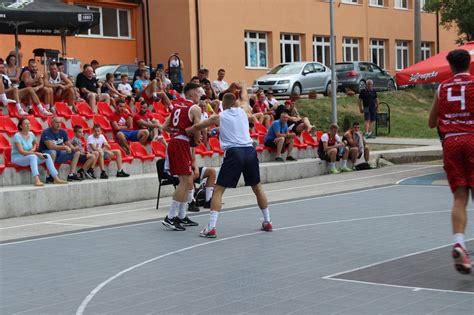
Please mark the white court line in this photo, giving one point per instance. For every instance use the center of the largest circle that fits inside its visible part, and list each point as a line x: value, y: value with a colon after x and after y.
x: 98, y: 288
x: 407, y: 178
x: 225, y: 198
x: 72, y: 224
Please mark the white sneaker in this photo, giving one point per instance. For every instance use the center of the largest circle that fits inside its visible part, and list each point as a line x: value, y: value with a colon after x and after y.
x: 22, y: 112
x: 45, y: 112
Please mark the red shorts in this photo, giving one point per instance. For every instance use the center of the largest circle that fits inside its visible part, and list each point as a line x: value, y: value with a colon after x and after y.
x: 458, y: 158
x: 179, y: 156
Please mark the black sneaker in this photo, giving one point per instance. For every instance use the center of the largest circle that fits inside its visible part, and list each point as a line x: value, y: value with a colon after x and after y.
x: 186, y: 221
x: 122, y: 173
x: 49, y: 179
x: 103, y: 175
x: 207, y: 205
x: 173, y: 224
x: 290, y: 158
x: 193, y: 207
x: 91, y: 173
x: 73, y: 177
x: 81, y: 174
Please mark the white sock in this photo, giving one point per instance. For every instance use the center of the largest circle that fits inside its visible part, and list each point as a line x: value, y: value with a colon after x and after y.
x: 209, y: 192
x: 190, y: 195
x: 47, y: 106
x: 266, y: 215
x: 4, y: 99
x: 155, y: 94
x: 459, y: 239
x: 173, y: 209
x: 213, y: 219
x: 343, y: 163
x: 332, y: 165
x: 183, y: 207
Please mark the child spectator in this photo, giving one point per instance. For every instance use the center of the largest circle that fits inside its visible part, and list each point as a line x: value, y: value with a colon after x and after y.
x: 332, y: 149
x: 88, y: 160
x: 96, y: 142
x: 126, y: 89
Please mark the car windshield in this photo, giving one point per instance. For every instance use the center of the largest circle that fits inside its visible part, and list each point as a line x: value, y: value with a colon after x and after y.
x: 103, y: 70
x: 344, y: 67
x: 286, y: 69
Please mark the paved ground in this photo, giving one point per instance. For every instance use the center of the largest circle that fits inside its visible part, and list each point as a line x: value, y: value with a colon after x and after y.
x: 306, y: 266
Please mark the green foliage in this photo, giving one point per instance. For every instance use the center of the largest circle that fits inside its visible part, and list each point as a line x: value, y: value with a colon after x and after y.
x: 458, y: 12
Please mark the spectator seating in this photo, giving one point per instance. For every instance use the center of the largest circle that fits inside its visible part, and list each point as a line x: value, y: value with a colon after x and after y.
x: 84, y: 110
x: 125, y: 158
x: 140, y: 152
x: 260, y: 129
x: 253, y: 134
x: 105, y: 109
x: 159, y: 117
x: 310, y: 141
x: 319, y: 134
x: 102, y: 121
x: 37, y: 113
x: 4, y: 143
x: 63, y: 110
x: 202, y: 150
x: 7, y: 125
x: 215, y: 145
x: 158, y: 149
x: 12, y: 112
x: 160, y: 108
x: 262, y: 147
x: 79, y: 121
x: 166, y: 136
x: 35, y: 126
x: 7, y: 155
x: 298, y: 144
x: 2, y: 168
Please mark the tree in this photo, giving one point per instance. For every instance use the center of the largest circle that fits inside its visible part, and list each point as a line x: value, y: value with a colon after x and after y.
x: 455, y: 12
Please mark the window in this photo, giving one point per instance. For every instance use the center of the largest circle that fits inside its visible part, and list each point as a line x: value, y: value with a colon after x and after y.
x: 350, y: 49
x: 376, y: 3
x: 256, y: 50
x: 290, y: 48
x: 322, y: 49
x: 425, y: 50
x: 422, y: 5
x: 401, y: 4
x: 350, y: 1
x: 114, y: 23
x: 377, y: 52
x: 401, y: 56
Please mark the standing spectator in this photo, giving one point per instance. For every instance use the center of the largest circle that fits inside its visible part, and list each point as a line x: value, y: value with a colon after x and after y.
x: 96, y: 142
x: 88, y: 160
x: 141, y: 66
x: 12, y: 70
x: 24, y: 153
x: 356, y: 143
x: 369, y: 105
x: 55, y: 142
x: 89, y: 88
x: 122, y: 124
x: 31, y: 78
x: 220, y: 85
x: 61, y: 85
x: 332, y: 149
x: 143, y: 120
x: 278, y: 138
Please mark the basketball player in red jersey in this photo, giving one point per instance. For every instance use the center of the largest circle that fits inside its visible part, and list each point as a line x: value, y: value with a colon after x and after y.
x: 453, y: 114
x: 185, y: 113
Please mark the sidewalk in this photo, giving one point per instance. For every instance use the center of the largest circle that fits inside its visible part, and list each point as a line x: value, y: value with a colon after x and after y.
x: 405, y: 141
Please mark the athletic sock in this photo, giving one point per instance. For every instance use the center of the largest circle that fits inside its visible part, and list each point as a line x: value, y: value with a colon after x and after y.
x: 459, y: 239
x: 266, y: 215
x: 174, y: 207
x: 343, y: 163
x: 183, y: 207
x: 213, y: 219
x: 190, y: 195
x: 332, y: 165
x: 3, y: 99
x: 209, y: 192
x: 155, y: 94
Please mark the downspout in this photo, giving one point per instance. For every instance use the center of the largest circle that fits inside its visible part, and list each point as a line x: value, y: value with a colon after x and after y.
x: 149, y: 35
x: 143, y: 30
x: 437, y: 32
x: 198, y: 37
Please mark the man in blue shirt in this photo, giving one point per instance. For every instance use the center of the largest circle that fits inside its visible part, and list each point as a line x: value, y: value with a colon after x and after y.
x: 278, y: 138
x: 368, y: 105
x: 55, y: 141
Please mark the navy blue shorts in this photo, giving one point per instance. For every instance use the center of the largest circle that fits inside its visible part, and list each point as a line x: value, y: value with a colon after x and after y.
x: 370, y: 113
x: 61, y: 156
x: 239, y: 161
x: 130, y: 135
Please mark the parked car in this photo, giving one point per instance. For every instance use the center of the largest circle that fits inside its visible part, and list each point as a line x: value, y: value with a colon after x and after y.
x: 117, y: 71
x: 354, y: 75
x: 296, y: 77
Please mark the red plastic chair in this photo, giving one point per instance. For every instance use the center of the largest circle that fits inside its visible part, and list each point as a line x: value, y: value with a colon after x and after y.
x: 125, y: 158
x: 202, y: 151
x: 63, y: 125
x: 166, y: 136
x: 7, y: 125
x: 12, y: 112
x: 77, y: 120
x: 105, y: 109
x: 158, y: 149
x: 253, y: 134
x: 2, y: 168
x: 37, y: 113
x: 298, y: 144
x: 84, y: 110
x: 319, y: 134
x: 262, y: 146
x: 159, y: 117
x: 160, y: 108
x: 215, y: 145
x: 7, y: 156
x: 63, y: 110
x: 70, y: 133
x: 4, y: 143
x: 109, y: 140
x: 309, y: 140
x: 260, y: 129
x: 137, y: 107
x: 35, y: 126
x: 103, y: 122
x: 140, y: 152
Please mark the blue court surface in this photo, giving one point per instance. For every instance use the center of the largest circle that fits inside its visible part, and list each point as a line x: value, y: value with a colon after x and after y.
x: 383, y: 250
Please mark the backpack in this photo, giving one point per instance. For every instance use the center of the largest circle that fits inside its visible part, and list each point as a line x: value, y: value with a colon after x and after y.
x: 363, y: 166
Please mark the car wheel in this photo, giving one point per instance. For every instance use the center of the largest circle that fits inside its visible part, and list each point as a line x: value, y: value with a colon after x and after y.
x: 328, y: 89
x: 362, y: 85
x: 391, y: 85
x: 296, y: 89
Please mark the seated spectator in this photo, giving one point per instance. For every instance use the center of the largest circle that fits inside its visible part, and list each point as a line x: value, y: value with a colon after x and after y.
x: 24, y: 153
x: 12, y: 70
x: 195, y: 80
x: 144, y: 120
x: 204, y: 105
x: 141, y: 66
x: 296, y: 123
x: 61, y: 85
x: 88, y: 160
x: 55, y: 142
x: 94, y: 64
x: 122, y: 124
x: 356, y: 143
x: 262, y: 111
x: 278, y: 138
x: 30, y: 77
x: 126, y: 89
x: 220, y: 85
x: 96, y: 142
x: 208, y: 90
x: 89, y: 88
x: 109, y: 88
x: 332, y: 149
x: 273, y: 103
x: 160, y: 74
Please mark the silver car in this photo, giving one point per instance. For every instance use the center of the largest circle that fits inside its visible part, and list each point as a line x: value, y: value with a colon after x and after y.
x: 296, y: 77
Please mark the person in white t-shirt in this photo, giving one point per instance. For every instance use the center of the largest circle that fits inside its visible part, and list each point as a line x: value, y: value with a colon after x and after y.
x: 331, y: 148
x: 126, y: 89
x: 97, y: 142
x: 220, y: 85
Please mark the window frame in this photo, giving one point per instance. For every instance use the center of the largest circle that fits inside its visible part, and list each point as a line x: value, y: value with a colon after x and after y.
x: 377, y: 5
x: 290, y: 42
x: 425, y: 50
x: 257, y: 40
x: 323, y: 44
x: 350, y: 1
x: 402, y: 48
x: 101, y: 26
x: 378, y: 48
x: 351, y: 46
x: 397, y: 4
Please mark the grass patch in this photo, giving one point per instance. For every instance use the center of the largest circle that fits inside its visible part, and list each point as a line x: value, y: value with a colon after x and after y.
x: 409, y: 112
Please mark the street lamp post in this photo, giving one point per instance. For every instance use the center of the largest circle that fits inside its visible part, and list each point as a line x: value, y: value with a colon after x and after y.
x: 333, y: 64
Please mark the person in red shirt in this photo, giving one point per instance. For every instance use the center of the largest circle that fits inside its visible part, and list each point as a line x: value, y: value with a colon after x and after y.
x: 453, y: 114
x: 261, y: 110
x: 185, y: 113
x: 144, y: 120
x: 123, y: 128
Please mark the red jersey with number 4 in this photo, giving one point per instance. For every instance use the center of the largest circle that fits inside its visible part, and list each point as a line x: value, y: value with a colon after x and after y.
x: 456, y: 105
x: 180, y: 118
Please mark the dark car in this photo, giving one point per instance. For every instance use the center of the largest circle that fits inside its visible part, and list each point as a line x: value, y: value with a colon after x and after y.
x: 117, y: 71
x: 354, y: 75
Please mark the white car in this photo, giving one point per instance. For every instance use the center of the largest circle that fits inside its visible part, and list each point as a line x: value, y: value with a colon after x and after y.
x: 296, y: 77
